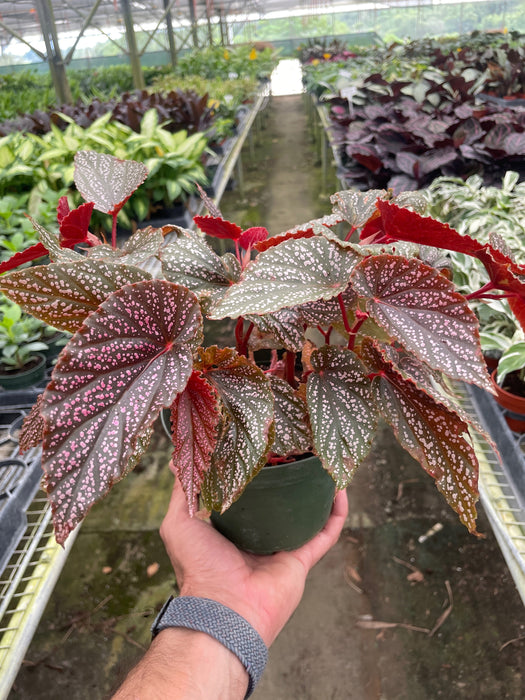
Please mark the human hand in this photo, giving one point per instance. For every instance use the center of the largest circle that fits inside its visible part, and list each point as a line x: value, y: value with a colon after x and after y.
x: 264, y: 589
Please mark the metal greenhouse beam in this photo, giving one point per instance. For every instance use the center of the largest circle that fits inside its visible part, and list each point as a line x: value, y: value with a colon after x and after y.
x: 54, y: 57
x: 134, y: 58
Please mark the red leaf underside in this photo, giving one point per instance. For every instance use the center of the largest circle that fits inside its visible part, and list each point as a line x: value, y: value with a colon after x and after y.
x: 74, y: 226
x: 275, y: 240
x: 218, y: 227
x: 194, y: 419
x: 252, y: 236
x: 32, y: 253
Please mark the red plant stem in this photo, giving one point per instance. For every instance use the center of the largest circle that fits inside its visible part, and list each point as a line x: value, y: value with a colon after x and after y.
x: 239, y: 334
x: 246, y: 338
x: 326, y: 335
x: 481, y: 292
x: 114, y: 232
x: 238, y: 252
x: 289, y: 369
x: 344, y: 314
x: 353, y: 333
x: 349, y: 234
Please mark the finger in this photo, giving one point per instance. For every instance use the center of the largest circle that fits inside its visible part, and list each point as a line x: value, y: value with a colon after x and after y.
x: 311, y: 552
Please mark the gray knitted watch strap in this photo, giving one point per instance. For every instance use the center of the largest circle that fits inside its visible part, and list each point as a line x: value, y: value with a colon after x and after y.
x: 221, y: 623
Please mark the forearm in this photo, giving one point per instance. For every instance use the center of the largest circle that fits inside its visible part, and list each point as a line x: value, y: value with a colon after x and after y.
x: 185, y: 665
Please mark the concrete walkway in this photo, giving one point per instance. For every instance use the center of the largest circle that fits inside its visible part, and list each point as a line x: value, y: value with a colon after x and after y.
x: 384, y: 617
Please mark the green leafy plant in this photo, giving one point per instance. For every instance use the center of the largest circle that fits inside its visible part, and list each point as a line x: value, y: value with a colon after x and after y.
x: 20, y: 337
x: 355, y: 329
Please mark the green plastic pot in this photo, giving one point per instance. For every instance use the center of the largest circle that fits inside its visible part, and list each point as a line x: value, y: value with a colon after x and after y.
x: 281, y: 509
x: 24, y: 378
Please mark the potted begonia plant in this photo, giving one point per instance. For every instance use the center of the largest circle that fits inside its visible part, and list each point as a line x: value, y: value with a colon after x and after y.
x: 355, y: 309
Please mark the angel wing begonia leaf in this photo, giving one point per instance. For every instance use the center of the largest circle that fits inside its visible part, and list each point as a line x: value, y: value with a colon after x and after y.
x: 63, y: 294
x: 291, y: 425
x: 218, y: 227
x: 194, y: 420
x: 130, y: 359
x: 432, y: 433
x: 342, y: 416
x: 417, y: 306
x: 32, y: 431
x: 194, y: 264
x: 295, y: 272
x: 356, y: 207
x: 286, y: 325
x: 245, y: 431
x: 138, y: 250
x: 107, y: 181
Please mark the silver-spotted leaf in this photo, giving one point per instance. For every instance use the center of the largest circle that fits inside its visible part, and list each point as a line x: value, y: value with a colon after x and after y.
x: 320, y: 226
x: 420, y: 308
x: 294, y: 272
x: 107, y: 181
x: 285, y: 328
x: 356, y: 207
x: 192, y: 263
x: 32, y: 431
x: 323, y: 313
x: 342, y: 416
x: 130, y: 358
x: 52, y: 244
x: 140, y: 248
x: 64, y: 294
x: 292, y: 431
x: 245, y: 431
x: 433, y: 434
x: 194, y: 420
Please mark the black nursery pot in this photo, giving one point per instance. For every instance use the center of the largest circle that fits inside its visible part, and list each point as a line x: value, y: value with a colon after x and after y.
x: 281, y: 509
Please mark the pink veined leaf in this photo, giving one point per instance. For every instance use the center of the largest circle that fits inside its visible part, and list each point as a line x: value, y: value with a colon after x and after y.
x: 432, y: 433
x: 252, y: 236
x: 32, y: 431
x: 32, y: 253
x: 130, y: 359
x: 107, y: 181
x: 417, y: 306
x: 218, y: 227
x: 194, y: 420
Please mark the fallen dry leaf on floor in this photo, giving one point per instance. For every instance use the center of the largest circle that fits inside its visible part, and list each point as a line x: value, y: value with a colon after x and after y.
x: 106, y: 569
x: 152, y: 569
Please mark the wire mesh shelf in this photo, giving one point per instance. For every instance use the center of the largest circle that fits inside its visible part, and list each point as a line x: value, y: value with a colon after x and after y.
x: 501, y: 480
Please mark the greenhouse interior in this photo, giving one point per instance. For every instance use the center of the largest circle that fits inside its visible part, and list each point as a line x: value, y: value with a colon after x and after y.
x: 237, y: 245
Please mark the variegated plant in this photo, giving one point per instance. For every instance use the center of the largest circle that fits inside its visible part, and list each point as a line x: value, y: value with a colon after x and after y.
x: 356, y: 308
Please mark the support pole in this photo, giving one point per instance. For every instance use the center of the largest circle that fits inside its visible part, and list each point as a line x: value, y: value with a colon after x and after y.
x: 134, y: 58
x: 54, y: 57
x: 221, y: 26
x: 193, y: 18
x: 171, y: 36
x: 208, y: 18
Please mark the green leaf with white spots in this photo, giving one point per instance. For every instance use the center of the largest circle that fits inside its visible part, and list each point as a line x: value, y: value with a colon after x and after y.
x: 64, y: 294
x: 138, y: 249
x: 356, y: 207
x: 294, y: 272
x: 245, y: 431
x: 320, y: 226
x: 420, y: 308
x: 433, y: 434
x: 192, y: 263
x: 285, y: 328
x: 52, y: 245
x: 129, y: 359
x: 292, y: 435
x: 342, y: 416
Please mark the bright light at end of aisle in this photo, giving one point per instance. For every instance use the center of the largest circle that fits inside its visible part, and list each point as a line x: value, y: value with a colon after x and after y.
x: 287, y: 78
